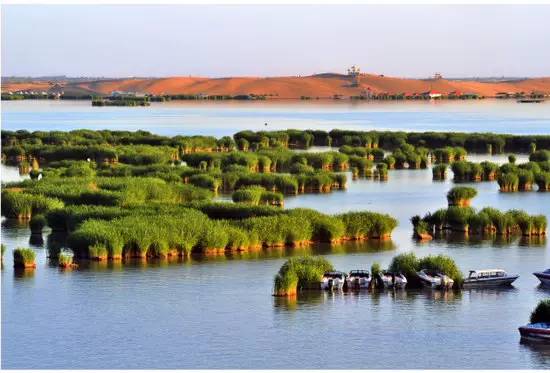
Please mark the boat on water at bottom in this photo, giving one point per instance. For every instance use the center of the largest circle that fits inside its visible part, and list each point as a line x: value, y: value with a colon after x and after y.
x: 435, y: 280
x: 333, y: 280
x: 489, y: 277
x: 537, y: 331
x: 544, y: 277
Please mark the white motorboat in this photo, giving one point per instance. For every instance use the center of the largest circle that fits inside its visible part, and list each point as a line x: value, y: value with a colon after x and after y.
x: 392, y: 280
x: 489, y: 277
x: 544, y: 277
x: 359, y: 279
x: 435, y: 280
x: 333, y: 280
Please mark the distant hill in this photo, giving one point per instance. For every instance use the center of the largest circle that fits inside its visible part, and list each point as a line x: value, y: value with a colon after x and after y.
x: 290, y: 87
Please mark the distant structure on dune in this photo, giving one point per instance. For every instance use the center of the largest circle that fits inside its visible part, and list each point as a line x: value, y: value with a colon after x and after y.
x: 437, y: 76
x: 354, y: 73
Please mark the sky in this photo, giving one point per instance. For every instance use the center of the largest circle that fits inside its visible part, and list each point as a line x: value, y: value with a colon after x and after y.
x: 275, y: 40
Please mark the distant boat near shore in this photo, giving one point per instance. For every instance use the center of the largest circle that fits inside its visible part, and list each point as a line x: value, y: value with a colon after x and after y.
x: 528, y: 100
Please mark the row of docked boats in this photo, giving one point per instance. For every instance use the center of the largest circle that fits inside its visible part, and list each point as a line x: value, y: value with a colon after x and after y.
x: 362, y: 279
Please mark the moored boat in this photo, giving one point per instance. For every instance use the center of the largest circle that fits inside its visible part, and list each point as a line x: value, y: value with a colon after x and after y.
x: 359, y: 279
x: 537, y: 331
x: 435, y: 280
x: 544, y: 277
x: 333, y: 280
x: 489, y: 277
x: 391, y: 279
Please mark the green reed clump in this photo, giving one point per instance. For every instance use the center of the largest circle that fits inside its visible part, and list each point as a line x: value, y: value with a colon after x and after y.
x: 24, y: 258
x: 540, y: 156
x: 508, y: 182
x: 21, y: 205
x: 381, y: 171
x: 458, y: 218
x: 443, y: 264
x: 299, y: 274
x: 326, y: 228
x: 439, y: 171
x: 409, y: 264
x: 526, y: 179
x: 224, y: 210
x: 461, y: 196
x: 250, y: 194
x: 543, y: 181
x: 363, y: 225
x: 421, y: 228
x: 279, y: 230
x: 487, y: 220
x: 541, y: 313
x: 65, y: 258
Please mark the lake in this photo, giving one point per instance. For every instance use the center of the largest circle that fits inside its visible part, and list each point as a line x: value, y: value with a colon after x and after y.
x: 218, y: 312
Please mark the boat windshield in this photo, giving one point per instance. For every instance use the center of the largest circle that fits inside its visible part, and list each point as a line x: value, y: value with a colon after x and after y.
x: 334, y: 275
x: 359, y: 273
x: 486, y: 274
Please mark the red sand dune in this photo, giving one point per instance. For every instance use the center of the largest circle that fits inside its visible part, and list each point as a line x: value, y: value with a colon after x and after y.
x: 322, y: 86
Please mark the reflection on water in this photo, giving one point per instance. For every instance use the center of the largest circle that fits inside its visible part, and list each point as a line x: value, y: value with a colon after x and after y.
x: 23, y: 273
x: 538, y: 350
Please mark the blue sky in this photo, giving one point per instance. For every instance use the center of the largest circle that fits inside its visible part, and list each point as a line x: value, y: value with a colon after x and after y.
x: 266, y: 40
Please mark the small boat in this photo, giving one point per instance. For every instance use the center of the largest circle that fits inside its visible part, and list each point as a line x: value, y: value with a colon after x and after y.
x: 334, y: 280
x: 359, y: 279
x: 544, y: 277
x: 489, y: 277
x: 530, y: 100
x: 392, y: 280
x: 435, y: 280
x: 539, y: 331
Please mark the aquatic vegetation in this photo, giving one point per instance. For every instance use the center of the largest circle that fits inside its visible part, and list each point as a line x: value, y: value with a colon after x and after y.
x: 508, y: 182
x: 461, y: 196
x: 20, y: 205
x: 325, y: 228
x: 487, y: 220
x: 541, y: 313
x: 543, y: 181
x: 439, y: 171
x: 256, y: 195
x: 421, y: 228
x: 24, y: 258
x: 300, y: 274
x: 540, y: 156
x: 443, y: 264
x: 526, y: 179
x: 364, y: 225
x: 409, y: 264
x: 65, y: 259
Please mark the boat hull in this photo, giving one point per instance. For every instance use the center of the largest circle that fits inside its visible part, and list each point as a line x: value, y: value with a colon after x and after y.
x: 533, y: 332
x: 544, y: 279
x: 490, y: 282
x: 332, y: 285
x: 358, y: 283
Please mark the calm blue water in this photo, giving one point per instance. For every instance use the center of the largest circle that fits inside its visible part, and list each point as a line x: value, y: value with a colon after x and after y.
x: 219, y: 312
x: 225, y: 118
